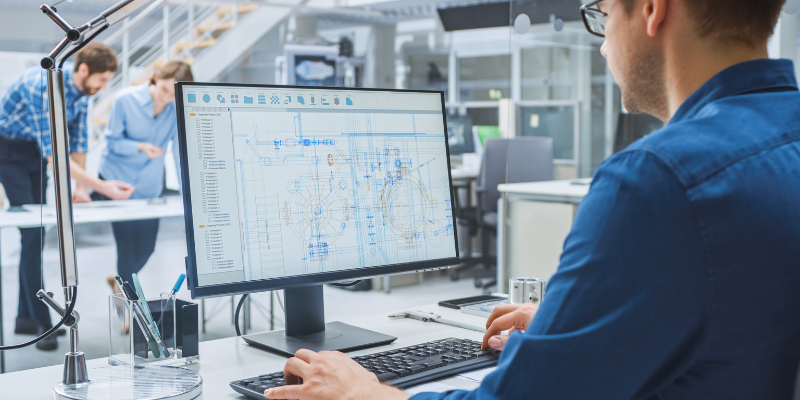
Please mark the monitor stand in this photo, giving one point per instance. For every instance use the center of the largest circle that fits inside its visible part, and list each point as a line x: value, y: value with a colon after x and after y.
x: 306, y: 328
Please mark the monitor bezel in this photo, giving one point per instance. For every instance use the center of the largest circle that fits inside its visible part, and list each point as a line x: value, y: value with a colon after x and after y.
x: 300, y: 280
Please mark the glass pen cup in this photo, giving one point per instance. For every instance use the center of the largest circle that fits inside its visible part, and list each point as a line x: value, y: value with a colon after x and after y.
x: 129, y: 343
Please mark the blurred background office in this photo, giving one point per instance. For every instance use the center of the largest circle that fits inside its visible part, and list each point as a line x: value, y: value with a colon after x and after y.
x: 529, y: 99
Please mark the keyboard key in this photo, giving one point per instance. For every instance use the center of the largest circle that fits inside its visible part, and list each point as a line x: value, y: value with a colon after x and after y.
x: 386, y: 376
x: 417, y: 368
x: 434, y: 364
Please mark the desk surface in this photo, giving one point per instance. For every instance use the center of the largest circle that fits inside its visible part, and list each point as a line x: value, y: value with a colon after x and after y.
x: 556, y: 191
x: 96, y: 211
x: 226, y: 360
x: 462, y: 172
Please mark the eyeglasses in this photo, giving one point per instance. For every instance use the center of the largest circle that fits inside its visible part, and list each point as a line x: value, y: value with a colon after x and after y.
x: 594, y: 19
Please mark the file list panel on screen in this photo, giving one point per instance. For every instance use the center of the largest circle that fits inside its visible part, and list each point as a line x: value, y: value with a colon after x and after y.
x: 283, y: 191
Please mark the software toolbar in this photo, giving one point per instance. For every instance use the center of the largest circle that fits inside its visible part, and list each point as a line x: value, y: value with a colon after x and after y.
x: 303, y: 98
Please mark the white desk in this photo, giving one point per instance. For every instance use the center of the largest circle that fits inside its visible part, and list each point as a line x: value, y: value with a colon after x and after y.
x: 534, y: 220
x: 226, y: 360
x: 101, y: 211
x: 461, y: 173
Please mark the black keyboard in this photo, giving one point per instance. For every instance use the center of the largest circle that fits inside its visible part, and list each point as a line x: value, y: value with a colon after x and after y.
x: 409, y: 366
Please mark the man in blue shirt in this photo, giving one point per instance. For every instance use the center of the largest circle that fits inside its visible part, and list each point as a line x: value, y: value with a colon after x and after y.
x: 679, y: 279
x: 25, y: 147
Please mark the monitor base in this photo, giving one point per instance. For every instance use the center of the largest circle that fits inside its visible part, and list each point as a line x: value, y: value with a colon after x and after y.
x: 336, y: 336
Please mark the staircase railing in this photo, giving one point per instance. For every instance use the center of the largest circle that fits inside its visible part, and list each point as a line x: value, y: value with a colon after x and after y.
x: 172, y: 36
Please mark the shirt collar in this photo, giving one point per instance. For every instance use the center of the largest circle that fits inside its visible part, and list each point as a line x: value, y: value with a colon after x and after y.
x: 69, y: 81
x: 142, y: 95
x: 747, y: 77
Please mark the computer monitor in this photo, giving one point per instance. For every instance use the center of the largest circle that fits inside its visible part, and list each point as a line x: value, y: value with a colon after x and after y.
x: 289, y: 187
x: 459, y: 134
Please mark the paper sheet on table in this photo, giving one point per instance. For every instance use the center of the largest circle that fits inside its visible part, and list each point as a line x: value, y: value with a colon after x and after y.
x: 430, y: 387
x: 477, y: 376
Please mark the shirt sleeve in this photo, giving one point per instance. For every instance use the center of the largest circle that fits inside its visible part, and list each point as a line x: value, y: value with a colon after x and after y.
x: 79, y: 129
x: 626, y: 314
x: 116, y: 141
x: 38, y: 117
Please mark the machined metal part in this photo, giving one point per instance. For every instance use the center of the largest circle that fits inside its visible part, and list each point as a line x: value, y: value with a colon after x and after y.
x: 431, y: 317
x: 526, y: 290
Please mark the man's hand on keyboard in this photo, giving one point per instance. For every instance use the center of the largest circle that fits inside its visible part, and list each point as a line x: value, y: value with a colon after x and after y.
x: 330, y: 375
x: 507, y: 317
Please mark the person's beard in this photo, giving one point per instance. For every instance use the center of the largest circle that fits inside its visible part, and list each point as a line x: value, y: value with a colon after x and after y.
x: 88, y: 89
x: 643, y: 87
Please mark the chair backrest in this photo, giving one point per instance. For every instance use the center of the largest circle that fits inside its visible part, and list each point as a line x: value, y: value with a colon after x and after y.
x: 523, y: 159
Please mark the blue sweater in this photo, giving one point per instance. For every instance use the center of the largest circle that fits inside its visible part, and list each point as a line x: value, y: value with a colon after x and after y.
x: 681, y: 276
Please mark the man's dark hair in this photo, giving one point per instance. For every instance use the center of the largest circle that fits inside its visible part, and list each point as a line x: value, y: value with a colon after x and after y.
x: 745, y: 21
x: 98, y: 58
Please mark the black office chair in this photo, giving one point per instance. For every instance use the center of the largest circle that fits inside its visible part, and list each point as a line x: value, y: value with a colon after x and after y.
x: 524, y: 159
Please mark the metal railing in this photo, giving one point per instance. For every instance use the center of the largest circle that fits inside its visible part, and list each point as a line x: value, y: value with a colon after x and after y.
x: 157, y: 39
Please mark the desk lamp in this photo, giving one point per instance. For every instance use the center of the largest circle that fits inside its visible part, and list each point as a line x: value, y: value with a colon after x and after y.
x: 129, y: 382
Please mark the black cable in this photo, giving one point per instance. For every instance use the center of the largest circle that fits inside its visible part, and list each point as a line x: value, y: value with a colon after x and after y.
x: 50, y: 331
x: 346, y: 284
x: 80, y: 46
x: 236, y: 315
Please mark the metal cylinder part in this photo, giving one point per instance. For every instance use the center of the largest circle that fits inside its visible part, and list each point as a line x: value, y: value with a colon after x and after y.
x: 526, y: 290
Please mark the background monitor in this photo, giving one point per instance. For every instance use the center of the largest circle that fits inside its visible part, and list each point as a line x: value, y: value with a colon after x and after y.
x: 459, y: 134
x: 291, y: 187
x: 632, y: 127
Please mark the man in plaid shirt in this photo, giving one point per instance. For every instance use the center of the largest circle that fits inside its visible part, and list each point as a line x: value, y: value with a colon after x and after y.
x: 25, y: 145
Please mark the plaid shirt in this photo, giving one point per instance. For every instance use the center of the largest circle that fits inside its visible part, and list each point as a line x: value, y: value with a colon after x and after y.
x: 24, y: 111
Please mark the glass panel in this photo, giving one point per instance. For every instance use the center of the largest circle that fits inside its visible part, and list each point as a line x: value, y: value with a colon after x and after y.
x: 560, y: 70
x: 428, y: 72
x: 553, y: 122
x: 484, y: 78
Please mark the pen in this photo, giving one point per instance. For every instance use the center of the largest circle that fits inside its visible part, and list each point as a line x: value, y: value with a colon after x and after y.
x: 126, y: 293
x: 149, y: 335
x: 148, y: 318
x: 177, y: 286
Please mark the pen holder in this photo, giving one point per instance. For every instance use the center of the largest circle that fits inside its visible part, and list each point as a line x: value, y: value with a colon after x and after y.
x: 175, y: 321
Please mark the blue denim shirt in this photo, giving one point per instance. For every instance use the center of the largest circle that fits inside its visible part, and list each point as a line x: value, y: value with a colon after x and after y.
x: 24, y: 110
x: 680, y: 278
x: 131, y: 122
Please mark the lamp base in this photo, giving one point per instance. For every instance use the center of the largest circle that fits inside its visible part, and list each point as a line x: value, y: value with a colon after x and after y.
x: 134, y: 383
x: 75, y: 368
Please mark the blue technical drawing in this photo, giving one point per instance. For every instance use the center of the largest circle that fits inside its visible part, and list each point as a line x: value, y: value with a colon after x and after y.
x: 325, y: 194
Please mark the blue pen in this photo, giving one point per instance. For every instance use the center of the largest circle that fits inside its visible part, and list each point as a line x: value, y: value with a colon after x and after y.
x: 177, y: 286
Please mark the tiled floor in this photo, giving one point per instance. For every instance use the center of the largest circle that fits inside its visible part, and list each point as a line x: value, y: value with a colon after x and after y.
x: 97, y: 260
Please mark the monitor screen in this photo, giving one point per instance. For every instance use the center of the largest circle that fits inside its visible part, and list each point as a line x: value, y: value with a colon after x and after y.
x: 459, y: 134
x: 290, y: 186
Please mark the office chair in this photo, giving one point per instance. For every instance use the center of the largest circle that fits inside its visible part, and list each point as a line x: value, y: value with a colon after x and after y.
x: 523, y: 159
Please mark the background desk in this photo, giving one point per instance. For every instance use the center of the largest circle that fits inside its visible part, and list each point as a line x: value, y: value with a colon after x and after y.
x: 105, y: 211
x: 534, y: 220
x: 226, y: 360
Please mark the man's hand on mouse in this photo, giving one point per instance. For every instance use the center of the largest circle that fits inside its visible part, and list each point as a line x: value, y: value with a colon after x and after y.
x: 330, y: 375
x: 507, y: 317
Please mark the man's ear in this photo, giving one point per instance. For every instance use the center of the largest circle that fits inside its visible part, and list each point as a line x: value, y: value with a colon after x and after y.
x: 655, y: 13
x: 82, y: 70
